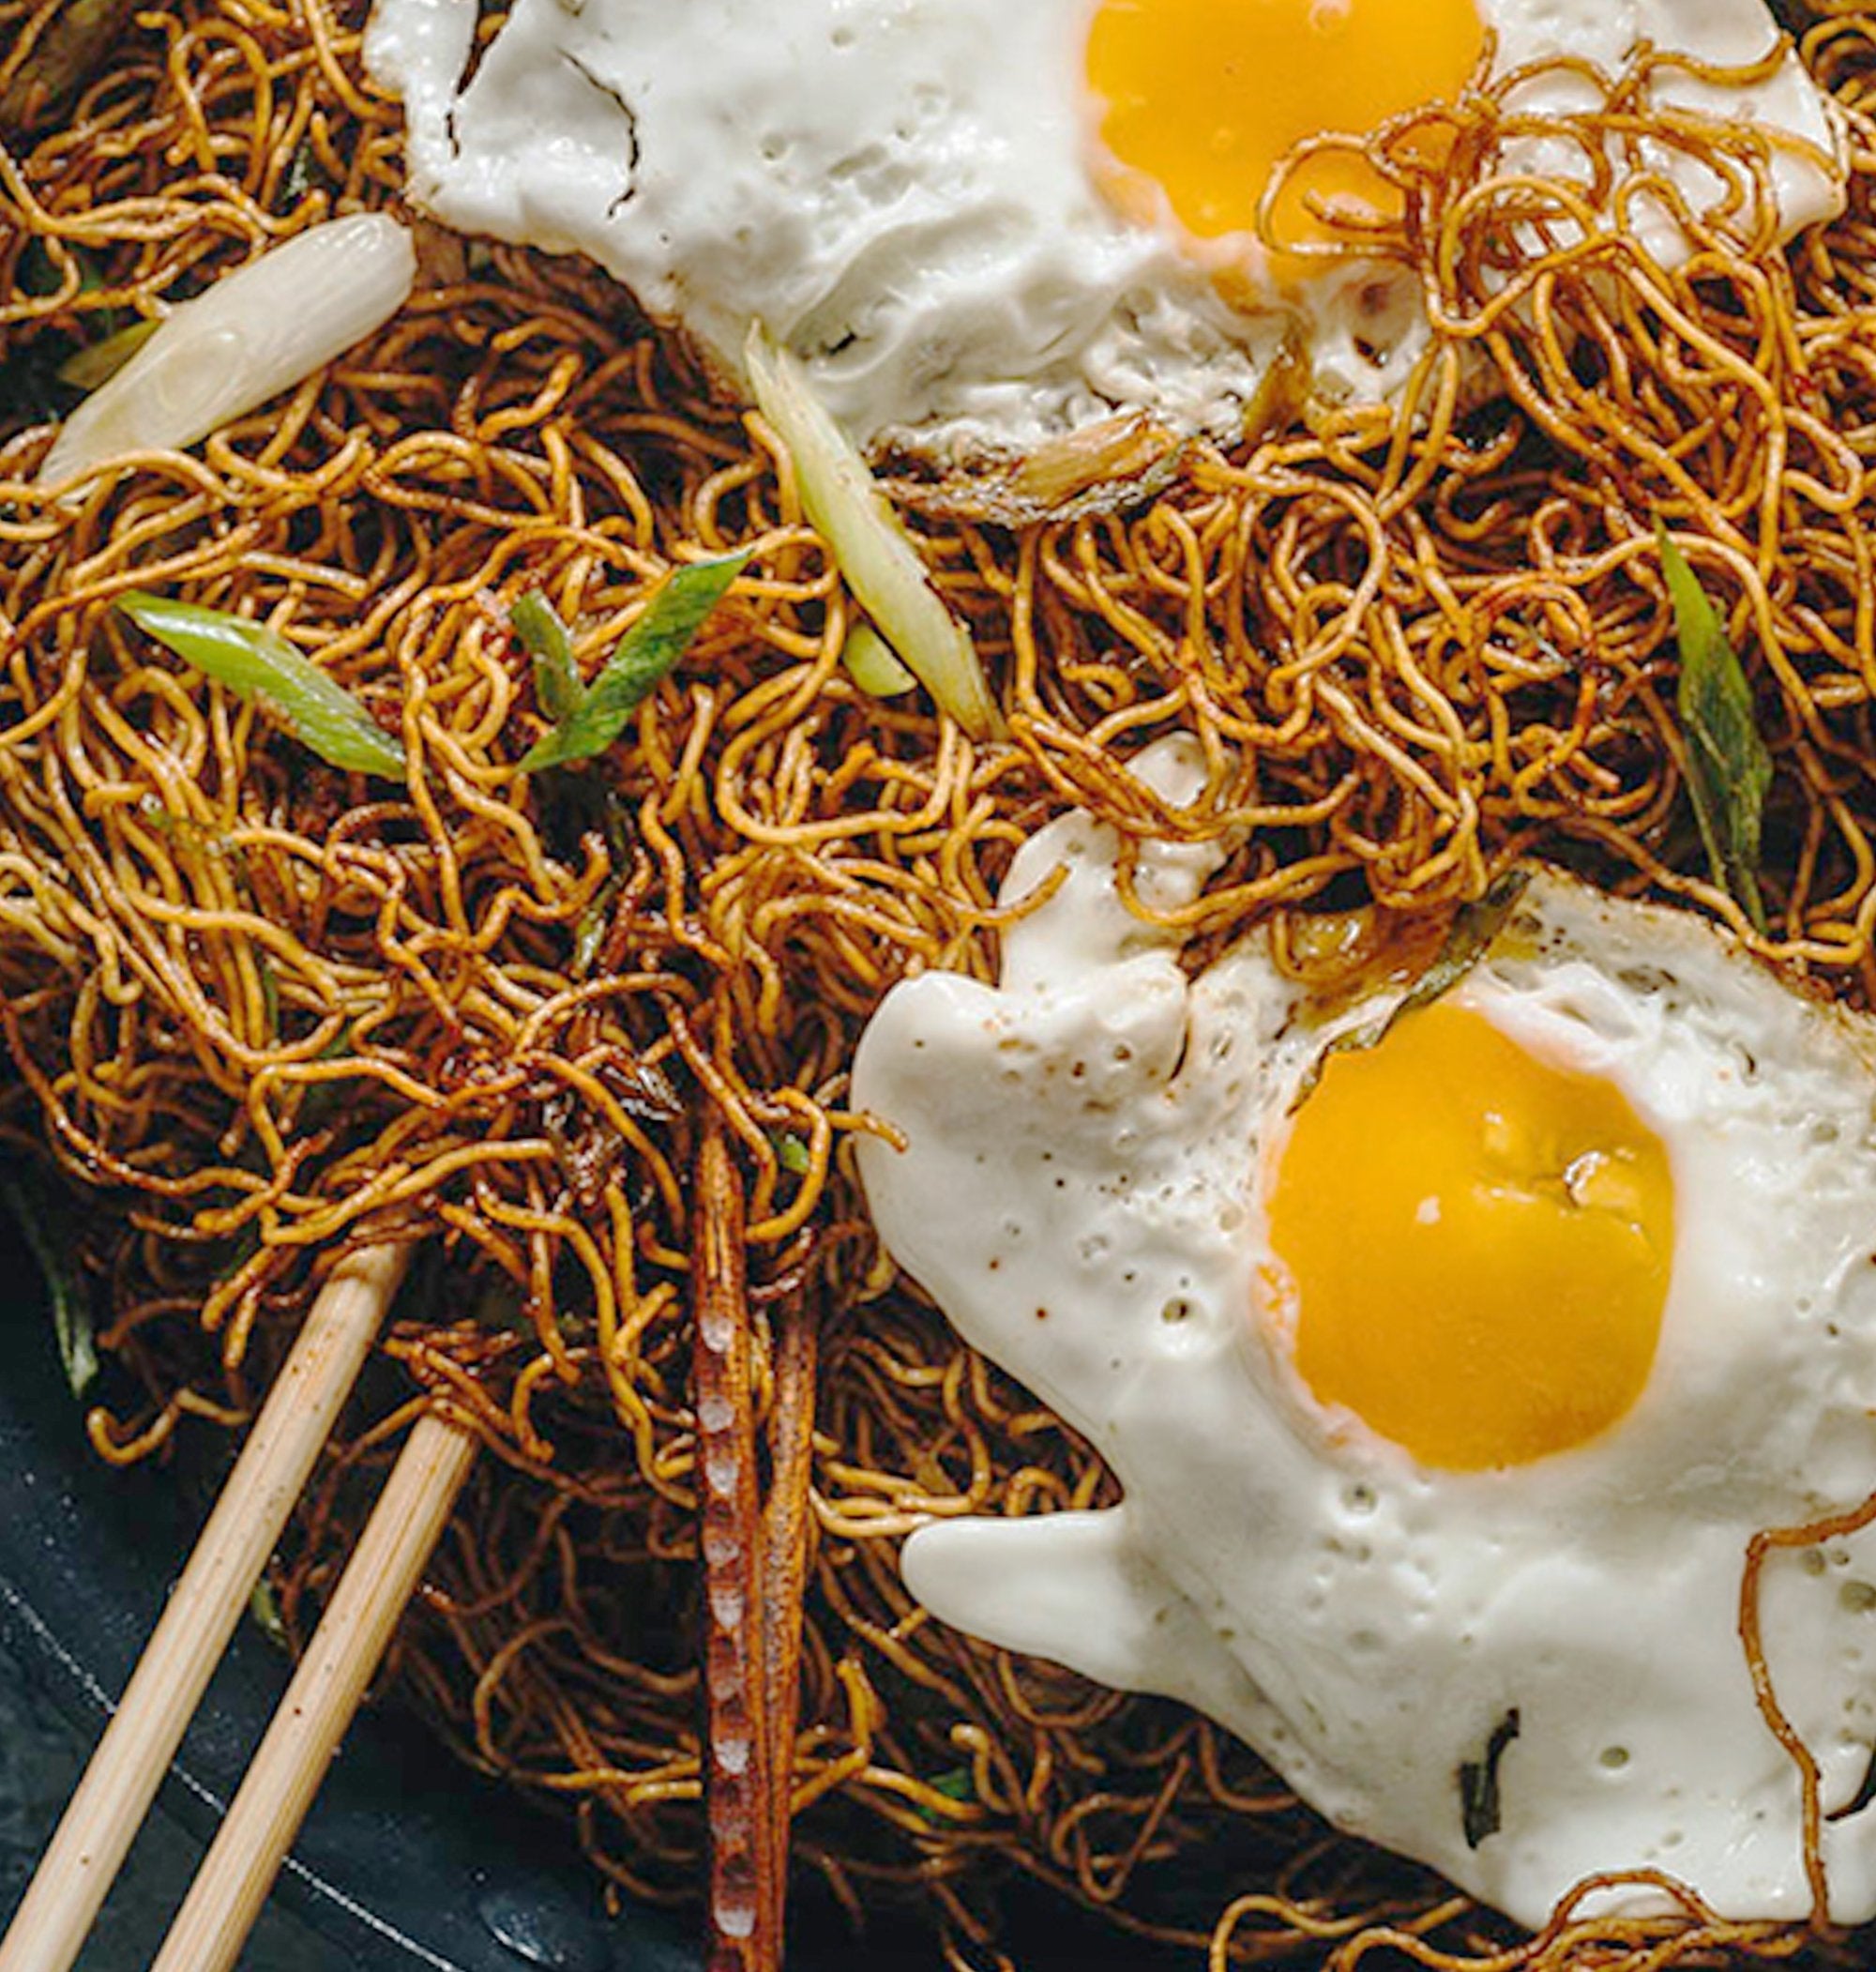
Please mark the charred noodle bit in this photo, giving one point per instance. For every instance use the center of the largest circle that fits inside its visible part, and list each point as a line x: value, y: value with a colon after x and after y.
x: 257, y: 1002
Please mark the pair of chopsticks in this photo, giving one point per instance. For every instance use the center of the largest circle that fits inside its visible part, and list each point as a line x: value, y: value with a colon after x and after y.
x: 114, y: 1795
x: 755, y: 1552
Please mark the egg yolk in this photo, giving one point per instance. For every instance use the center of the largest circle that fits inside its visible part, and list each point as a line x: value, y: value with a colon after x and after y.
x: 1203, y: 97
x: 1479, y: 1243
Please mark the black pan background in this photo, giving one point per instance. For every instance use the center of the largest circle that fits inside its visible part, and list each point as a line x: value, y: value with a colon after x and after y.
x: 407, y: 1859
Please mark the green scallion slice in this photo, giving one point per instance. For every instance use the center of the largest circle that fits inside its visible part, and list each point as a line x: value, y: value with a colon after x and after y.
x: 557, y: 683
x: 1728, y: 769
x: 874, y: 665
x: 645, y: 655
x: 258, y: 664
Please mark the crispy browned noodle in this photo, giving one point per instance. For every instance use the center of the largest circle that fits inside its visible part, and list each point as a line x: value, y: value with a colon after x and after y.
x: 271, y: 1011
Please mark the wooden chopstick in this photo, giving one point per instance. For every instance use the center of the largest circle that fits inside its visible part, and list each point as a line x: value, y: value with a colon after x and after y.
x: 265, y: 1814
x: 104, y: 1814
x: 755, y: 1567
x: 781, y: 1589
x: 741, y: 1903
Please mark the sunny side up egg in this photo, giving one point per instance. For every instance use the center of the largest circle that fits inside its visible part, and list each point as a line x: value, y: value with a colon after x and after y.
x: 1448, y: 1378
x: 982, y: 223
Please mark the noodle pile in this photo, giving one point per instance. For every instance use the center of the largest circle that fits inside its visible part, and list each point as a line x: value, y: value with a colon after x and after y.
x: 272, y: 1010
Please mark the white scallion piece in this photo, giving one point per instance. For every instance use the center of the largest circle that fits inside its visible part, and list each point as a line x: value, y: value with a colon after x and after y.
x: 253, y: 334
x: 875, y: 555
x: 873, y: 664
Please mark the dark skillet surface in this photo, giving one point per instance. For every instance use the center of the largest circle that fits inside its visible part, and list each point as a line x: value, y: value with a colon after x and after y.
x: 407, y: 1859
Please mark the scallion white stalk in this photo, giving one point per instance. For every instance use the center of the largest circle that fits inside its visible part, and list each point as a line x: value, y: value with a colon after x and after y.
x: 255, y: 333
x: 873, y: 664
x: 875, y: 555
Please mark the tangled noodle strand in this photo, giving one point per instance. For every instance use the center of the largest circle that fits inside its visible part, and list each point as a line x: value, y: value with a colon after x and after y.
x: 271, y: 1011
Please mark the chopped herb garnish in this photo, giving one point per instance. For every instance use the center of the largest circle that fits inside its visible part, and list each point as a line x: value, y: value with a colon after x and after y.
x: 1473, y: 927
x: 953, y: 1784
x: 258, y: 664
x: 557, y: 683
x: 644, y: 655
x: 264, y: 1606
x: 1469, y: 937
x: 1728, y: 769
x: 794, y: 1153
x: 47, y: 1234
x: 1479, y: 1805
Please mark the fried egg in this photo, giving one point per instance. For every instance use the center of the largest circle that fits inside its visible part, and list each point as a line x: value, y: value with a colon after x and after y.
x: 1447, y: 1375
x: 982, y: 223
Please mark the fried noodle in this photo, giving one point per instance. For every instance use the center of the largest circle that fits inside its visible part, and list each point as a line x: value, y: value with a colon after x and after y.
x: 271, y: 1011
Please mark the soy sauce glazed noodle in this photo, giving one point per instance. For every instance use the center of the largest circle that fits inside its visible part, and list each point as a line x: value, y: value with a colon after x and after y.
x: 268, y: 1011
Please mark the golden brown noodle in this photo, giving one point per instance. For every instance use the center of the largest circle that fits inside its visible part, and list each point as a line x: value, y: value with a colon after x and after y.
x: 272, y: 1010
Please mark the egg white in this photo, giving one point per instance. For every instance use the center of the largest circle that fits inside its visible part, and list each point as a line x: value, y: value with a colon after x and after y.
x: 902, y: 189
x: 1081, y: 1193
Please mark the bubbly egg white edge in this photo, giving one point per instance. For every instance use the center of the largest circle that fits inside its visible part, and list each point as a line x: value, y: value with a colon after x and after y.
x: 524, y: 154
x: 937, y: 252
x: 1363, y: 1624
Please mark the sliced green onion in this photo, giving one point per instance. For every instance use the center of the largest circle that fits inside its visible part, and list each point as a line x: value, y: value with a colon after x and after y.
x: 873, y: 664
x: 794, y: 1155
x: 557, y: 683
x: 45, y: 1224
x: 264, y: 1607
x: 302, y: 173
x: 96, y: 363
x: 258, y: 664
x: 1471, y: 936
x: 1475, y: 928
x: 1282, y: 390
x: 1729, y: 769
x: 595, y: 921
x: 874, y: 552
x: 644, y: 655
x: 256, y: 332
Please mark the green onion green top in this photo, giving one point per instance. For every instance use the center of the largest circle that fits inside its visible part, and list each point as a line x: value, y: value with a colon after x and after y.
x: 645, y: 654
x: 258, y: 664
x: 1728, y: 769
